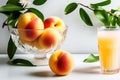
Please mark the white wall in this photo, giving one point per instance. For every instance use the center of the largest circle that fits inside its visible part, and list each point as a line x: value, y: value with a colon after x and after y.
x: 80, y: 38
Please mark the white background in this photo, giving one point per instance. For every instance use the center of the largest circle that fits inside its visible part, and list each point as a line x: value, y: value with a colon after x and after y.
x: 80, y: 38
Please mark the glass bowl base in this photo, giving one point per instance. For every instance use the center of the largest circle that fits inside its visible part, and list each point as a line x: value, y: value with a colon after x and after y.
x: 40, y: 61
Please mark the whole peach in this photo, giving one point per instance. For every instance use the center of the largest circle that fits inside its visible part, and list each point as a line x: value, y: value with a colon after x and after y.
x: 24, y: 19
x: 61, y: 62
x: 49, y: 38
x: 54, y: 22
x: 29, y: 26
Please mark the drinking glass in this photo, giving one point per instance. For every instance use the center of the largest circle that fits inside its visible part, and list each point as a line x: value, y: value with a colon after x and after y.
x: 109, y: 49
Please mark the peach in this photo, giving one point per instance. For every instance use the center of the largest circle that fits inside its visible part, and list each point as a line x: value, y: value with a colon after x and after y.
x: 61, y: 62
x: 29, y: 26
x: 37, y: 45
x: 24, y: 19
x: 49, y: 38
x: 54, y: 22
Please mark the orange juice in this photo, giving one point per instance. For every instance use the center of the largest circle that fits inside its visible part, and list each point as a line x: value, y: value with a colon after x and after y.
x: 109, y: 50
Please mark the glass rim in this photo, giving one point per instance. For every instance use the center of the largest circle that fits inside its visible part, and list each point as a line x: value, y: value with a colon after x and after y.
x: 103, y: 28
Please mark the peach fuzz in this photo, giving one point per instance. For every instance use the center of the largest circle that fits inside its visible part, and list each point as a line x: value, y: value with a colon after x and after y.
x: 61, y: 62
x: 49, y: 38
x: 25, y: 19
x: 54, y: 22
x: 31, y: 27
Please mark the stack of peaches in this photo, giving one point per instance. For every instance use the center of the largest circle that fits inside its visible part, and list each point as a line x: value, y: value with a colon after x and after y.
x: 36, y: 33
x: 44, y: 36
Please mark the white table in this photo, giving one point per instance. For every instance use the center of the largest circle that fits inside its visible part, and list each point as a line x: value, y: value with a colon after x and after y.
x: 81, y: 71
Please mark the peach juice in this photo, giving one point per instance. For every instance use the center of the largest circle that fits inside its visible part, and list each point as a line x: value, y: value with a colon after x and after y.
x: 109, y: 50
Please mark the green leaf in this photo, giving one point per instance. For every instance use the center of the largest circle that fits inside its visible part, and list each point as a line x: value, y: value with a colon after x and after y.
x: 85, y: 17
x: 104, y: 3
x: 15, y: 2
x: 39, y: 2
x: 112, y: 20
x: 118, y: 20
x: 10, y: 8
x: 37, y: 12
x: 12, y: 22
x: 6, y: 13
x: 11, y: 49
x: 12, y: 19
x: 102, y: 16
x: 91, y: 58
x: 113, y: 10
x: 21, y: 62
x: 70, y: 7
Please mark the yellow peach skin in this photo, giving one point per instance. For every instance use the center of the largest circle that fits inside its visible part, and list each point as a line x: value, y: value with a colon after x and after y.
x: 49, y: 38
x: 29, y: 26
x: 61, y: 62
x: 54, y: 22
x: 25, y: 19
x: 37, y: 45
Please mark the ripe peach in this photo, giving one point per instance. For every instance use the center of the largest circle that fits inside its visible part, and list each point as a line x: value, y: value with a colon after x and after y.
x: 25, y: 19
x: 54, y: 22
x: 29, y: 26
x: 49, y: 38
x: 61, y: 62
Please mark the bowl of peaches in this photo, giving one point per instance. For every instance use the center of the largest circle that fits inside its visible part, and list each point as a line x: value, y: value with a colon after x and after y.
x: 39, y: 38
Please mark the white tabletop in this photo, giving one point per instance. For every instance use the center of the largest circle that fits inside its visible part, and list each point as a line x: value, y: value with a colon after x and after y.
x: 81, y: 71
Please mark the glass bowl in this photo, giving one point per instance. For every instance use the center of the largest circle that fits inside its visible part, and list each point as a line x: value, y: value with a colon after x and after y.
x: 39, y: 42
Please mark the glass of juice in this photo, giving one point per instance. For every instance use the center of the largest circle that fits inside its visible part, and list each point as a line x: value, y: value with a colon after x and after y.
x: 109, y: 49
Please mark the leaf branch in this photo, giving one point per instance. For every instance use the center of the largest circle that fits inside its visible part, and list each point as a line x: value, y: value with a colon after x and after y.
x: 85, y: 6
x: 109, y: 18
x: 4, y: 23
x: 109, y: 12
